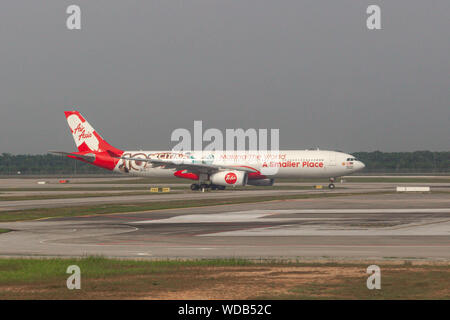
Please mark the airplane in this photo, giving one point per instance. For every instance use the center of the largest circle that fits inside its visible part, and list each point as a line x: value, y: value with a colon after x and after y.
x: 208, y: 169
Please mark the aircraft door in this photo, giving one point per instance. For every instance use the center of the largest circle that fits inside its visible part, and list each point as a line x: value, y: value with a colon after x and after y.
x: 331, y: 160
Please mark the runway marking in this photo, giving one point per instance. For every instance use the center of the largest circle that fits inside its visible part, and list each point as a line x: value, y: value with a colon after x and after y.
x: 437, y: 228
x: 219, y: 246
x: 123, y: 217
x: 204, y: 218
x: 413, y: 225
x: 46, y: 241
x: 362, y: 210
x: 263, y: 215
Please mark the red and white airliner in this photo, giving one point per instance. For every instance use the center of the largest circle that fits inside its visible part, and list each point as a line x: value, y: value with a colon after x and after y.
x: 209, y: 169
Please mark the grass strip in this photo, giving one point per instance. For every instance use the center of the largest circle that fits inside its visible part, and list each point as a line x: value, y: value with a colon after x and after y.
x: 90, y: 195
x: 103, y: 278
x: 76, y: 196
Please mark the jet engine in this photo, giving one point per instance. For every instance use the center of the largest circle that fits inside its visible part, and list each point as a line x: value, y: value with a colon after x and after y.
x: 229, y: 178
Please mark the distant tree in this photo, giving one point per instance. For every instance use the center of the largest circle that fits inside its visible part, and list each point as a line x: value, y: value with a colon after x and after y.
x: 418, y: 161
x: 44, y: 164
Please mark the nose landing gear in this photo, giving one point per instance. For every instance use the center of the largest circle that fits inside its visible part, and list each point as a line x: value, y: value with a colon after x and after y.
x: 331, y: 185
x: 196, y: 187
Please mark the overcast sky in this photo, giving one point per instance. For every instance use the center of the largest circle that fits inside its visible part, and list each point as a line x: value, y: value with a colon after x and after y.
x: 140, y: 69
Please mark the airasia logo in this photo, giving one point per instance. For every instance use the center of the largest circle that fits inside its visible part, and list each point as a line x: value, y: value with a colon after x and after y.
x: 81, y: 131
x: 230, y: 178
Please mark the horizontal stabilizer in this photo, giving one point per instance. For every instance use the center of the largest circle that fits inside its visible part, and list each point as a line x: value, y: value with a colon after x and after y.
x: 90, y: 157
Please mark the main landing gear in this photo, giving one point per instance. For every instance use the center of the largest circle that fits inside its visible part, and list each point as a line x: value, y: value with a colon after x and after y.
x: 204, y: 186
x: 195, y: 187
x: 331, y: 185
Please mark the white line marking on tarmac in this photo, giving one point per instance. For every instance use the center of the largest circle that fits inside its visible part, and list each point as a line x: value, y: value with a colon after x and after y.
x: 52, y: 241
x: 429, y: 227
x: 252, y: 215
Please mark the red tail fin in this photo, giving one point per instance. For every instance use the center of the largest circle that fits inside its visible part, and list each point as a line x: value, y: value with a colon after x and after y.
x: 85, y: 136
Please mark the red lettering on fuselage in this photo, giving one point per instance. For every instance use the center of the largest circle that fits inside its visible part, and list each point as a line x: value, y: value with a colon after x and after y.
x: 311, y: 164
x: 293, y: 164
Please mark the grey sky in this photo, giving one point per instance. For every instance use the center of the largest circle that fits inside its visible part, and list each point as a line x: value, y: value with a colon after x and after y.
x: 140, y: 69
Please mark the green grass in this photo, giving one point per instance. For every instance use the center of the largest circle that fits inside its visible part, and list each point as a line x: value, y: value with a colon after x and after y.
x: 18, y: 270
x: 103, y: 278
x: 139, y: 188
x: 39, y: 213
x: 4, y: 230
x: 396, y: 283
x: 76, y: 196
x: 147, y: 191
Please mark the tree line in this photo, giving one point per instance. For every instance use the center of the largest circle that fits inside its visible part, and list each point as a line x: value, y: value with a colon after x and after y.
x: 417, y: 161
x: 376, y: 161
x: 44, y: 164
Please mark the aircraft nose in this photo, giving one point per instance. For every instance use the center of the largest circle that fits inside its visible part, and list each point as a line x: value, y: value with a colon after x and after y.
x: 361, y: 165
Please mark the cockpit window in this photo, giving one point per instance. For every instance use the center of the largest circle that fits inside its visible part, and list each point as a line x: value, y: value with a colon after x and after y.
x: 351, y: 159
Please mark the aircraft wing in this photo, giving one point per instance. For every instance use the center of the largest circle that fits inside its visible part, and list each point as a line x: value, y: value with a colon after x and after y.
x: 188, y: 164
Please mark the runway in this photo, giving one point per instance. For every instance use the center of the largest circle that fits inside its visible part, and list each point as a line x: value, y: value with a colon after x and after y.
x: 367, y: 226
x: 11, y: 187
x: 149, y: 197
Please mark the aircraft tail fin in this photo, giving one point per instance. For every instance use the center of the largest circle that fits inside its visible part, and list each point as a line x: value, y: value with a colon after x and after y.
x: 85, y: 136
